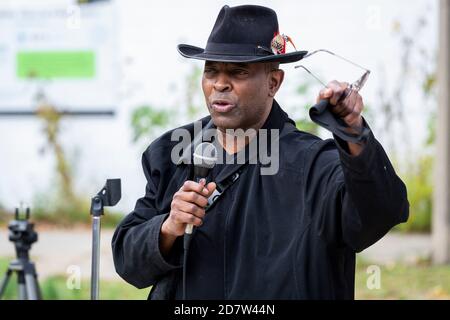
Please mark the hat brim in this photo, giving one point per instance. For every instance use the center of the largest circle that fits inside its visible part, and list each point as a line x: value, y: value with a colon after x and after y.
x: 193, y: 52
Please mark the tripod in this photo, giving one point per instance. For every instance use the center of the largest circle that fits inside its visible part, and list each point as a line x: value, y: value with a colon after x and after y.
x: 22, y: 234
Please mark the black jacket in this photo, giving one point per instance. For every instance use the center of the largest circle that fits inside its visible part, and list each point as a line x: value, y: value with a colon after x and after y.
x: 292, y: 235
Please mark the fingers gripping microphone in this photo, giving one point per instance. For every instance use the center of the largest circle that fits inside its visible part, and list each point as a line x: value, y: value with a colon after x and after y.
x: 205, y: 158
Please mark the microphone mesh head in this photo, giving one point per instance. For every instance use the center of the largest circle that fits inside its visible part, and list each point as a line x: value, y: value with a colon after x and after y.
x: 205, y: 155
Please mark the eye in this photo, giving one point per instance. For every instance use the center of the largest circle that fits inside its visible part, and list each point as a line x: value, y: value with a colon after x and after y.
x: 209, y: 70
x: 240, y: 72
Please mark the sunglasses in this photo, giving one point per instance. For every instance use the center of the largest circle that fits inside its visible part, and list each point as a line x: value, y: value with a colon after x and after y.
x: 355, y: 86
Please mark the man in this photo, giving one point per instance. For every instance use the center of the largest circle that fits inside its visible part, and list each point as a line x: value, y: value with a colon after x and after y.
x: 288, y: 235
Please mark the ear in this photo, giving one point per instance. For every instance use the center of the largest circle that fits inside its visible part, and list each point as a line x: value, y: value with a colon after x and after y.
x: 276, y: 78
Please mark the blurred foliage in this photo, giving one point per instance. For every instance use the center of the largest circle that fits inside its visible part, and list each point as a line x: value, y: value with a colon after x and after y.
x: 61, y: 204
x: 418, y: 178
x: 417, y: 73
x: 418, y: 66
x: 431, y: 137
x: 419, y: 182
x: 146, y: 119
x: 51, y: 118
x: 193, y: 91
x: 3, y: 215
x: 301, y: 114
x: 429, y: 83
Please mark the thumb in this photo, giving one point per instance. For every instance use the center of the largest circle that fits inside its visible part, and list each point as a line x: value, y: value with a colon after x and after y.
x: 327, y: 93
x: 211, y: 187
x: 324, y: 94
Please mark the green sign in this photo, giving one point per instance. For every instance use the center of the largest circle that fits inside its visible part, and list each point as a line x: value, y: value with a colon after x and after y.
x: 56, y: 64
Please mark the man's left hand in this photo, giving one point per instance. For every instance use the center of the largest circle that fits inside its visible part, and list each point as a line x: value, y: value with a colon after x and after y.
x: 347, y: 108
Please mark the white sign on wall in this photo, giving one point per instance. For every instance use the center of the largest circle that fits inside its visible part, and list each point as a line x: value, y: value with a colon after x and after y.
x: 66, y: 49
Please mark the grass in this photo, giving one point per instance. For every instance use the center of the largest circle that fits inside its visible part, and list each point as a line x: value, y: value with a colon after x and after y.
x: 398, y: 281
x: 401, y: 281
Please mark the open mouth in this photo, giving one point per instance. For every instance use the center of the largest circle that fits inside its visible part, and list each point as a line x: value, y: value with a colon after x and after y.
x: 222, y: 106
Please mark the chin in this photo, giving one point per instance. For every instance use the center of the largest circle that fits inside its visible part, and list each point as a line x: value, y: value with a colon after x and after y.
x: 225, y: 122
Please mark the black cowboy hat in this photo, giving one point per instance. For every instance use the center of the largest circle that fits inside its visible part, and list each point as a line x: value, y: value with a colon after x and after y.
x: 246, y: 33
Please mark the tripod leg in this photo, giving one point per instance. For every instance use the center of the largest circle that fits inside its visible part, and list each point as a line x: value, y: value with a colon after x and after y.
x: 31, y: 287
x: 5, y: 281
x: 31, y: 284
x: 21, y: 284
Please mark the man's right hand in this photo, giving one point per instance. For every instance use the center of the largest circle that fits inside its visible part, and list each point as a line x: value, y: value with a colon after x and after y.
x: 187, y: 207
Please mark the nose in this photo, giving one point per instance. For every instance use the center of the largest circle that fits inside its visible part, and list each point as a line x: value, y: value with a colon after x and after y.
x: 222, y: 83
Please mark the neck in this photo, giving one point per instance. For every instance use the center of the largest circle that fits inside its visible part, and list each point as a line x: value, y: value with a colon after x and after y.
x: 233, y: 141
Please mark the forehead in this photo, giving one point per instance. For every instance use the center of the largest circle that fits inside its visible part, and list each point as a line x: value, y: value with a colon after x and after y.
x: 232, y: 64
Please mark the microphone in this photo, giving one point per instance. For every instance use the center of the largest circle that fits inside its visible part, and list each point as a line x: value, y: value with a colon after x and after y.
x: 205, y: 158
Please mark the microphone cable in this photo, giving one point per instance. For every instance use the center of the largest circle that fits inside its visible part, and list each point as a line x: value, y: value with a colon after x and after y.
x: 186, y: 244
